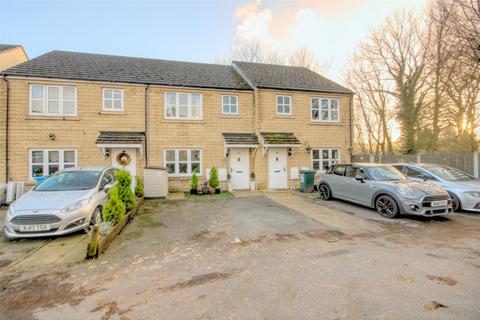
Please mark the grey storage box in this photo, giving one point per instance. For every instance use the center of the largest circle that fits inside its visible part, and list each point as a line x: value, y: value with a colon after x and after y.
x: 155, y: 181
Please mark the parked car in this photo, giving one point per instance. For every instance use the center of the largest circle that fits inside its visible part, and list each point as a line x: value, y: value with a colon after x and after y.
x: 384, y: 188
x: 464, y: 189
x: 67, y: 201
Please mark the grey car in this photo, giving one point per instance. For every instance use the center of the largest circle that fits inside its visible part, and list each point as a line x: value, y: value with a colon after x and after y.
x: 384, y: 188
x: 67, y: 201
x: 464, y: 189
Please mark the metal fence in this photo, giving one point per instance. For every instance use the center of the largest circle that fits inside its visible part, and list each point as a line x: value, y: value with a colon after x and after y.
x: 468, y: 162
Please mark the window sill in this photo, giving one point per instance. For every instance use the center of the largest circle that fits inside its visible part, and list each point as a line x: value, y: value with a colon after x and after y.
x: 114, y: 113
x: 223, y: 115
x: 67, y: 118
x: 328, y: 123
x: 181, y: 178
x: 286, y: 116
x: 183, y: 121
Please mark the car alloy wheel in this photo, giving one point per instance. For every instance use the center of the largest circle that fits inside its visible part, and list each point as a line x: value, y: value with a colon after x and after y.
x: 386, y: 206
x: 455, y: 202
x: 324, y: 191
x: 96, y: 217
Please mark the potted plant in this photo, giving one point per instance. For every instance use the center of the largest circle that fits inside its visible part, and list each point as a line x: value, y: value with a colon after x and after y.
x: 194, y: 184
x: 229, y: 184
x: 252, y: 181
x: 213, y: 181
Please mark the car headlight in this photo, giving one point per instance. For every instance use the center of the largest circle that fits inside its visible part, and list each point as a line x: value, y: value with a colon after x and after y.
x: 76, y: 205
x: 473, y: 193
x: 10, y: 211
x: 406, y: 192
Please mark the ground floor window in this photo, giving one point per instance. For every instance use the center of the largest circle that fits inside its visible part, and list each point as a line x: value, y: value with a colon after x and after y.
x: 183, y: 162
x: 322, y: 158
x: 44, y: 162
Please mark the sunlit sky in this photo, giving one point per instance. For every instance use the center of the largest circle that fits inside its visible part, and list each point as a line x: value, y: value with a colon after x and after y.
x: 200, y: 31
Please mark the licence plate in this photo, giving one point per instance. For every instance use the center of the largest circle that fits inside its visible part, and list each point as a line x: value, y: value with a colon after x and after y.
x: 439, y: 203
x: 35, y: 227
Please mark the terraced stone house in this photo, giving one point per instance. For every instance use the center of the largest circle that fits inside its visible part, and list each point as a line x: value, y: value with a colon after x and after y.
x: 68, y: 109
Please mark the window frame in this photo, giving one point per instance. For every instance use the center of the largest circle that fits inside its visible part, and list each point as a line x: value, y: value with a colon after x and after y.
x: 320, y: 109
x: 320, y: 159
x: 122, y: 107
x: 283, y: 104
x: 46, y: 163
x: 60, y: 100
x: 229, y: 105
x: 177, y: 161
x: 177, y: 106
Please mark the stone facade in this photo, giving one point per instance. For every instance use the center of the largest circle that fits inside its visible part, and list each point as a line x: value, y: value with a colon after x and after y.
x: 257, y: 113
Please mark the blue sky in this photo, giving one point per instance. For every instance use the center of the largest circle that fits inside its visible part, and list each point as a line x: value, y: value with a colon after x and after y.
x: 199, y: 31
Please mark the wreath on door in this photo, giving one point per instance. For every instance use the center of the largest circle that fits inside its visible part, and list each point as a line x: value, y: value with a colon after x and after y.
x: 123, y: 158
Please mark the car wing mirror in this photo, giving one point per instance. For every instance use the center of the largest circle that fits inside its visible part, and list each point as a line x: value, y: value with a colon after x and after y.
x: 107, y: 187
x: 360, y: 177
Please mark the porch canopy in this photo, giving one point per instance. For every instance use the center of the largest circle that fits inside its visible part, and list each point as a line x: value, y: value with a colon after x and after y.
x: 239, y: 140
x: 120, y: 139
x: 279, y: 139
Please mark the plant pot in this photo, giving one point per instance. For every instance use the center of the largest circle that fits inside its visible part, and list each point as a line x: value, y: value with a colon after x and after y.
x: 252, y: 185
x: 193, y: 191
x: 229, y: 186
x: 217, y: 191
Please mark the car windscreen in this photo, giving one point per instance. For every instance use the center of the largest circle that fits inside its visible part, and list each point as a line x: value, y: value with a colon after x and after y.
x: 384, y: 173
x: 450, y: 174
x: 70, y: 181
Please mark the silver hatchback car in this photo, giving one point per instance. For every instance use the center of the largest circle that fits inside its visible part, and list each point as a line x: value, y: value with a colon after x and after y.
x: 65, y: 202
x: 463, y: 188
x: 384, y: 188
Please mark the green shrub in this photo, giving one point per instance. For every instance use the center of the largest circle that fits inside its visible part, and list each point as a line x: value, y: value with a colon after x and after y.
x: 124, y: 181
x: 194, y: 183
x: 139, y: 189
x: 114, y: 209
x: 213, y: 181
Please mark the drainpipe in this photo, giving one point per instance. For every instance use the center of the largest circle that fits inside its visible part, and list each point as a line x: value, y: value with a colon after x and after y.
x: 145, y: 152
x: 351, y: 127
x: 7, y: 90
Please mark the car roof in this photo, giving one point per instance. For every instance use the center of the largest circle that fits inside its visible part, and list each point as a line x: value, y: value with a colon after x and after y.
x: 366, y: 164
x: 88, y: 168
x: 422, y: 165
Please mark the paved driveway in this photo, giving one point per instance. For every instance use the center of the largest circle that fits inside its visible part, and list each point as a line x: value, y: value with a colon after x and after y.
x: 274, y: 256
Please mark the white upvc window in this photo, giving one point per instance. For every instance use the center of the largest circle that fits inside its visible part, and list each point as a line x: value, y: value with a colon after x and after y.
x: 46, y: 100
x: 112, y: 100
x: 229, y: 104
x: 183, y: 106
x: 284, y: 105
x: 44, y: 162
x: 322, y: 158
x: 325, y: 109
x: 183, y: 162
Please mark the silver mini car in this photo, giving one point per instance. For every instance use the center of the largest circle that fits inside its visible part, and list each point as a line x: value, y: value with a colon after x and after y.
x: 463, y: 188
x: 384, y: 188
x: 65, y: 202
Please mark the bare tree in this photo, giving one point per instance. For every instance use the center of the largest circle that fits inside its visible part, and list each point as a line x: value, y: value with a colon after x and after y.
x: 252, y: 51
x: 304, y: 58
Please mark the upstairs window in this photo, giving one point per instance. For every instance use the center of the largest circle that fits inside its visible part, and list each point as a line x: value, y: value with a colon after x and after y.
x: 284, y: 105
x: 324, y: 109
x: 113, y: 100
x: 183, y: 106
x: 53, y: 100
x: 229, y: 104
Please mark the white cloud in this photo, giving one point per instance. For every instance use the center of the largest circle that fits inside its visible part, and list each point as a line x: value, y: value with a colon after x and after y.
x: 254, y: 23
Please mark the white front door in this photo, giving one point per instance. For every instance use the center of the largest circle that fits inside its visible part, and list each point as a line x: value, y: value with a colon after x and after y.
x: 240, y: 168
x: 125, y: 153
x: 277, y: 168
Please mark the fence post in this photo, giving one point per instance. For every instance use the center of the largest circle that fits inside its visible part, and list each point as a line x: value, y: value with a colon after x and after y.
x: 475, y: 164
x: 419, y: 158
x: 372, y: 158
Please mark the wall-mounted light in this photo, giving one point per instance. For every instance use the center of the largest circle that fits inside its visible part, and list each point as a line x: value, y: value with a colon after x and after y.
x: 289, y: 152
x: 308, y: 147
x: 51, y: 136
x: 107, y: 153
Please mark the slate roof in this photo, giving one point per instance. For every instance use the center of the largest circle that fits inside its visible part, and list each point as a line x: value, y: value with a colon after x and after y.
x: 279, y: 138
x: 4, y: 47
x: 98, y: 67
x: 240, y: 138
x: 120, y: 137
x: 271, y: 76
